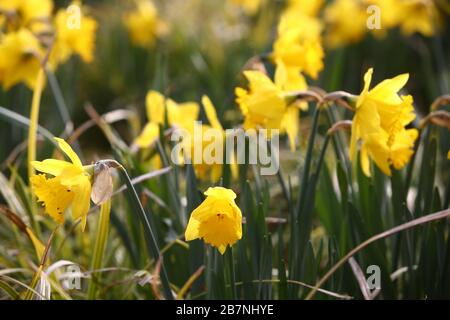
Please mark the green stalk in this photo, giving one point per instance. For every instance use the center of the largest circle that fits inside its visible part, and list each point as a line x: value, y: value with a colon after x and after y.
x: 60, y: 103
x: 23, y: 122
x: 99, y: 247
x: 62, y: 107
x: 229, y: 255
x: 32, y: 137
x: 308, y: 160
x: 296, y: 251
x: 152, y: 245
x: 34, y: 119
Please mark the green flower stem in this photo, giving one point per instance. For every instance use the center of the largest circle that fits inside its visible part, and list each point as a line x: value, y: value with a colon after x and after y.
x: 309, y: 152
x: 99, y: 247
x: 32, y: 138
x: 62, y: 108
x: 229, y: 255
x: 150, y: 238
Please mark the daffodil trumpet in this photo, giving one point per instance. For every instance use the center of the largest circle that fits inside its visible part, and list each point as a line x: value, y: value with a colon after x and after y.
x: 217, y: 220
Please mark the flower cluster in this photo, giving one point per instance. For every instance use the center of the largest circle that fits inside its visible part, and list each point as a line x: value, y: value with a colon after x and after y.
x: 181, y: 116
x: 30, y: 34
x: 348, y: 21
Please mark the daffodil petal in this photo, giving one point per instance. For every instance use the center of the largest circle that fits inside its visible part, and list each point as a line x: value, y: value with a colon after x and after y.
x: 67, y: 149
x: 192, y: 229
x: 220, y: 192
x: 155, y: 104
x: 365, y: 162
x: 291, y: 125
x: 222, y: 249
x: 387, y: 90
x: 72, y: 176
x: 149, y: 134
x: 81, y: 201
x: 51, y: 166
x: 54, y: 196
x: 211, y: 113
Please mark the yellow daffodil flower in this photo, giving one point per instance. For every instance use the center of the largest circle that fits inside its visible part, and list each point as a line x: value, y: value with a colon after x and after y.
x: 419, y: 16
x: 298, y: 43
x: 346, y: 22
x: 218, y: 220
x: 391, y: 12
x: 73, y: 37
x: 182, y: 115
x: 308, y: 7
x: 144, y: 25
x: 204, y: 170
x: 266, y: 104
x: 263, y: 104
x: 20, y: 56
x: 70, y: 185
x: 31, y: 14
x: 380, y: 117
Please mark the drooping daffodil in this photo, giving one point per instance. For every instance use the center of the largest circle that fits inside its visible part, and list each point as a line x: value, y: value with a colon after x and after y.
x: 217, y: 220
x: 63, y: 184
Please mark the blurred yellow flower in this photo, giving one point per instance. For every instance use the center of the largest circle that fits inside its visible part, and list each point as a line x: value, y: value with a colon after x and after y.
x: 298, y: 43
x: 74, y: 34
x: 380, y: 118
x: 148, y: 135
x: 31, y: 14
x: 390, y: 13
x: 20, y: 58
x: 250, y: 7
x: 69, y: 186
x: 420, y: 16
x: 203, y: 170
x: 345, y: 22
x: 386, y: 150
x: 218, y: 220
x: 308, y: 7
x: 291, y: 80
x: 144, y: 25
x: 263, y: 104
x: 267, y: 105
x: 182, y: 115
